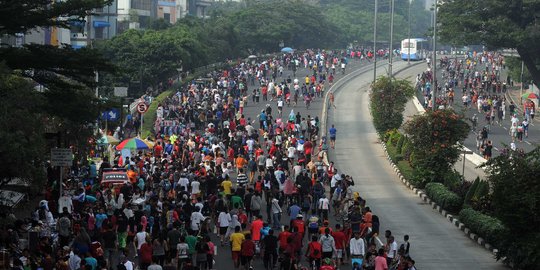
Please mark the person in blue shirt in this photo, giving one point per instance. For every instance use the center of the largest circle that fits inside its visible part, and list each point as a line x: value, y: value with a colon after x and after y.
x: 333, y: 132
x: 262, y: 119
x: 100, y: 218
x: 294, y: 210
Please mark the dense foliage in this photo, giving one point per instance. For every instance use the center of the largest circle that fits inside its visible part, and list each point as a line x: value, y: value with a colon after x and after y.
x: 387, y: 100
x: 435, y: 138
x: 253, y: 27
x: 516, y: 201
x: 65, y: 104
x: 496, y: 24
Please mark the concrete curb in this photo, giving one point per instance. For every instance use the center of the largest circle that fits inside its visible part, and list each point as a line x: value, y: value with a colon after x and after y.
x: 421, y: 193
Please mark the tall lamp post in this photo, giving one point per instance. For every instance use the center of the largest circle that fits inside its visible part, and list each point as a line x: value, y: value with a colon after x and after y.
x: 434, y: 91
x: 391, y: 49
x: 409, y: 36
x: 375, y: 42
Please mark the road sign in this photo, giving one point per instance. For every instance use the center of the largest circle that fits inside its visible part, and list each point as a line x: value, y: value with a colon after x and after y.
x: 142, y: 107
x: 62, y: 157
x: 111, y: 115
x: 120, y: 91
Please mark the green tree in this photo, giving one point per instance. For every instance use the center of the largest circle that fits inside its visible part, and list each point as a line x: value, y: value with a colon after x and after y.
x: 21, y: 129
x: 387, y: 100
x: 516, y: 200
x: 496, y: 24
x: 435, y: 136
x: 153, y: 55
x: 65, y: 77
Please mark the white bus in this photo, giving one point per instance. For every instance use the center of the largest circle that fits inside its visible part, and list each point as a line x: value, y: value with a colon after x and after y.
x: 413, y: 47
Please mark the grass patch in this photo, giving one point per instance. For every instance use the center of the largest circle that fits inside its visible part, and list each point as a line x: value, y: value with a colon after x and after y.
x: 150, y: 115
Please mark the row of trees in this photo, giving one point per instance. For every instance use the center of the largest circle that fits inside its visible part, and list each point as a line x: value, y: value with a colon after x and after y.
x: 44, y: 89
x: 240, y: 29
x: 495, y: 24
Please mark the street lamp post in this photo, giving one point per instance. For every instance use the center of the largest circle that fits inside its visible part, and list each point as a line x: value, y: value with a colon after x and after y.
x: 521, y: 88
x: 180, y: 69
x: 409, y: 37
x: 391, y: 49
x: 434, y: 91
x: 375, y: 42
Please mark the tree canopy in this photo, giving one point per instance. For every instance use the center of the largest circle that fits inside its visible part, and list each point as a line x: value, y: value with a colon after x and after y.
x: 388, y: 99
x: 64, y: 76
x: 516, y: 199
x: 496, y: 24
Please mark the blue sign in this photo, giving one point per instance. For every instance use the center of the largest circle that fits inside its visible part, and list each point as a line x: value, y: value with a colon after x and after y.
x: 111, y: 115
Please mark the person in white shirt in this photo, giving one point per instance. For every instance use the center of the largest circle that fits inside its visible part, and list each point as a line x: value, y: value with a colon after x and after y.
x: 65, y: 201
x: 140, y: 238
x: 357, y: 246
x: 224, y: 220
x: 334, y: 181
x: 196, y: 219
x: 391, y: 250
x: 183, y: 182
x: 195, y: 187
x: 324, y: 205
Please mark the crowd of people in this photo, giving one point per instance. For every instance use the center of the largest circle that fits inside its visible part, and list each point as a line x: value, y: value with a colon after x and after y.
x: 478, y: 81
x: 258, y: 185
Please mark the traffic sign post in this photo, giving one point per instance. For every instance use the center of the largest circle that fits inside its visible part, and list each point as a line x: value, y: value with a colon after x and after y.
x: 465, y: 152
x: 142, y: 107
x: 61, y: 157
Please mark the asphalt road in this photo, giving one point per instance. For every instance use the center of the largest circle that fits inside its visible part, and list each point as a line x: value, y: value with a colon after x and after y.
x: 224, y: 260
x: 435, y: 243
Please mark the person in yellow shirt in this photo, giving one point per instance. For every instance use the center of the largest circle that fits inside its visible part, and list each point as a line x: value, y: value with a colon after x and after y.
x: 226, y: 184
x: 236, y: 245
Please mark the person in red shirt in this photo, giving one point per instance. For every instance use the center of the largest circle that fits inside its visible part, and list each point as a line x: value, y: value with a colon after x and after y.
x: 308, y: 149
x: 326, y: 224
x: 247, y: 251
x: 145, y: 258
x: 314, y: 252
x: 341, y: 243
x: 256, y: 227
x: 158, y: 150
x: 258, y: 152
x: 282, y: 237
x: 299, y: 225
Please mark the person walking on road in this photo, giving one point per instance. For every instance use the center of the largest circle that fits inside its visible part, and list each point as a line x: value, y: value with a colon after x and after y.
x: 333, y: 133
x: 331, y: 98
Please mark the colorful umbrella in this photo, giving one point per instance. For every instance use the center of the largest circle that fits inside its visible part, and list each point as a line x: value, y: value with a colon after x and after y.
x: 132, y: 143
x: 108, y: 139
x: 529, y: 96
x: 287, y: 50
x: 149, y: 143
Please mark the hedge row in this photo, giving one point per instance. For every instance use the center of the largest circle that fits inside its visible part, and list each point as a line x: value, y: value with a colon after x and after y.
x: 485, y: 226
x: 447, y: 199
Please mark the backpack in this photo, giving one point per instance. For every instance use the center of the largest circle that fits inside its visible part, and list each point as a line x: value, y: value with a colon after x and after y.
x: 166, y: 185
